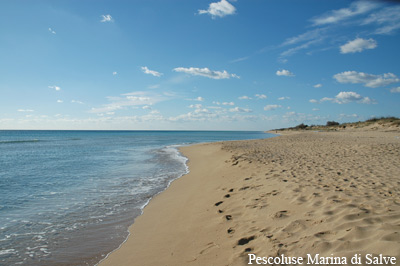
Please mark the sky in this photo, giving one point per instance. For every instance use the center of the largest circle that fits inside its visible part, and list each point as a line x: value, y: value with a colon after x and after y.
x: 197, y: 64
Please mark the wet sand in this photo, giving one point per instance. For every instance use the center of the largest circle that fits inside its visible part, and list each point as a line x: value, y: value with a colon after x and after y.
x: 326, y: 193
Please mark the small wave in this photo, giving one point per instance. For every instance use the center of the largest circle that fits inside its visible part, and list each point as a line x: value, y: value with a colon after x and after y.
x: 8, y: 251
x: 19, y: 141
x: 173, y: 151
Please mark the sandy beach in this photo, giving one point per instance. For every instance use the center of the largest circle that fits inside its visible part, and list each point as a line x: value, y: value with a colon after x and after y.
x: 336, y: 194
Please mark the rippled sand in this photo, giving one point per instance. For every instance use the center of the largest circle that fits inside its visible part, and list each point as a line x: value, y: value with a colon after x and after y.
x: 304, y: 193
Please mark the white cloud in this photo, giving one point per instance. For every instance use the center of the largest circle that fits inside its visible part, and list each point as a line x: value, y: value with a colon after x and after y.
x: 60, y: 101
x: 272, y: 107
x: 284, y: 72
x: 205, y: 72
x: 348, y: 97
x: 343, y: 116
x: 395, y: 90
x: 146, y: 107
x: 228, y: 103
x: 358, y: 45
x: 244, y: 97
x: 200, y: 99
x: 313, y: 101
x: 283, y: 98
x: 261, y: 96
x: 106, y: 18
x: 197, y: 106
x: 114, y: 73
x: 219, y: 9
x: 240, y: 110
x: 315, y: 109
x: 369, y: 80
x: 55, y: 87
x: 52, y: 31
x: 151, y: 72
x: 388, y: 20
x: 75, y: 101
x: 138, y: 98
x: 317, y: 85
x: 335, y: 16
x: 25, y: 110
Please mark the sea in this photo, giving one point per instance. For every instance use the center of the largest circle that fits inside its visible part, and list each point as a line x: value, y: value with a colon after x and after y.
x: 68, y: 197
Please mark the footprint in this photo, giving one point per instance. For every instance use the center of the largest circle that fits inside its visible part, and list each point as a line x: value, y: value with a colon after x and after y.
x: 281, y: 214
x: 218, y: 203
x: 245, y: 240
x: 209, y: 246
x: 228, y: 217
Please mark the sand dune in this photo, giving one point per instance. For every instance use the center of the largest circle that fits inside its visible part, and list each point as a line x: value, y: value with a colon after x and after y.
x: 333, y: 194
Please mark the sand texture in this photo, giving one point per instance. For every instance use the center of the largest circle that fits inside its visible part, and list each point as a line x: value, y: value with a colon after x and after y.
x: 307, y: 193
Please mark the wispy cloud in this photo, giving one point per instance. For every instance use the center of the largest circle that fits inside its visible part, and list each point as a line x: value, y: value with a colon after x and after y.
x: 197, y: 106
x: 319, y: 85
x: 348, y: 97
x: 198, y: 99
x: 358, y: 45
x: 292, y: 51
x: 239, y: 59
x: 395, y: 90
x: 151, y: 72
x: 106, y: 18
x: 240, y: 110
x: 219, y: 9
x: 284, y: 72
x: 206, y: 72
x: 325, y: 28
x: 25, y: 110
x: 272, y: 107
x: 137, y: 98
x: 52, y: 31
x: 369, y: 80
x: 55, y: 87
x: 75, y: 101
x: 335, y: 16
x: 283, y: 98
x: 114, y: 73
x: 261, y: 96
x: 244, y: 97
x: 60, y: 101
x: 307, y: 36
x: 387, y: 20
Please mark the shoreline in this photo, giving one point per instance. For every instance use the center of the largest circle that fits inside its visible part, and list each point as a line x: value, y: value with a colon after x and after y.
x: 149, y: 200
x: 256, y: 197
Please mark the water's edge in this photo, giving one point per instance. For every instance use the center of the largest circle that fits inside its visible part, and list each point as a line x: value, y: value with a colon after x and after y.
x: 176, y: 148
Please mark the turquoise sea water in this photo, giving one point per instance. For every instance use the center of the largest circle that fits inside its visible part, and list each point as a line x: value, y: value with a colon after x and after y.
x: 68, y: 197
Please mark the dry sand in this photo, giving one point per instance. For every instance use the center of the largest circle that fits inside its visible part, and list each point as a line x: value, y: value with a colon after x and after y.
x: 307, y: 193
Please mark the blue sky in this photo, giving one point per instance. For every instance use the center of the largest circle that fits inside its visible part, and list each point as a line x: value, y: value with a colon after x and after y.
x: 197, y: 64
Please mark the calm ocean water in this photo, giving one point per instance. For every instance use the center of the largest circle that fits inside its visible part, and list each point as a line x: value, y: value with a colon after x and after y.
x: 68, y: 197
